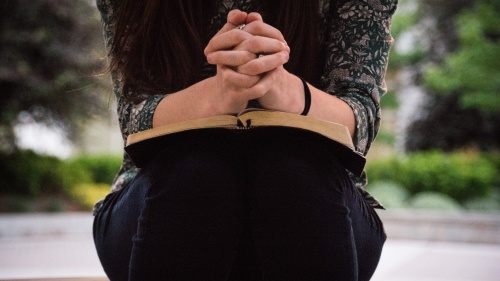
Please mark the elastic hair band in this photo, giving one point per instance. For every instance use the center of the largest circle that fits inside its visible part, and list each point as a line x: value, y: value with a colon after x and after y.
x: 307, y: 96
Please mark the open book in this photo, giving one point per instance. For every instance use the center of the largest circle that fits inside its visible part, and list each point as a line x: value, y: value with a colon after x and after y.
x: 143, y: 145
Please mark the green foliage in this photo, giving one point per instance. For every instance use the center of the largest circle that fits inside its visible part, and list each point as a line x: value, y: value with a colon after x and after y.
x: 458, y: 175
x: 47, y: 65
x: 485, y: 204
x: 27, y: 173
x: 88, y: 194
x: 473, y: 70
x: 386, y: 137
x: 16, y: 204
x: 102, y: 168
x: 494, y: 158
x: 403, y: 21
x: 453, y: 57
x: 389, y: 101
x: 448, y: 126
x: 54, y: 206
x: 386, y: 169
x: 391, y: 195
x: 434, y: 201
x: 30, y: 174
x: 398, y: 60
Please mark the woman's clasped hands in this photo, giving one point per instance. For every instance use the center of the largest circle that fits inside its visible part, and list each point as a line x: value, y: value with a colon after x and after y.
x: 249, y: 55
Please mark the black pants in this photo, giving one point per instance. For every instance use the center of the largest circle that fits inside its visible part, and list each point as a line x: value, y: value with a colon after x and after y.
x: 253, y: 205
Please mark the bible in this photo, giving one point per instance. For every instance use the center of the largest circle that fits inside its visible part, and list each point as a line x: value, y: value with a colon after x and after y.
x: 143, y: 145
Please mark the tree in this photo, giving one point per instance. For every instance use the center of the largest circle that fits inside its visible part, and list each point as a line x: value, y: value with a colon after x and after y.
x: 473, y: 71
x: 48, y: 64
x: 460, y: 74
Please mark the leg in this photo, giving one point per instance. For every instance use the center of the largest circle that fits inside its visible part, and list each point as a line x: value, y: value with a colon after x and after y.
x: 190, y: 226
x: 369, y: 234
x: 246, y: 266
x: 302, y: 223
x: 115, y: 225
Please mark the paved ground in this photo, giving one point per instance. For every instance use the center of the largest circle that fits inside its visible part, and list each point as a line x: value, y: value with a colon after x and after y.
x: 40, y: 246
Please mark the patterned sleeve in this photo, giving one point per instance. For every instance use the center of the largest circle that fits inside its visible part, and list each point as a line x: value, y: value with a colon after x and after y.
x: 358, y: 42
x: 133, y: 117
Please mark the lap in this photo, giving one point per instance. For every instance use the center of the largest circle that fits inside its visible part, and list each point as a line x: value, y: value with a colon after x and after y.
x: 265, y: 196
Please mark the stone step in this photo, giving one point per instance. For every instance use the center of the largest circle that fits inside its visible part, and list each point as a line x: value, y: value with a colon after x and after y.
x: 441, y: 226
x: 399, y: 224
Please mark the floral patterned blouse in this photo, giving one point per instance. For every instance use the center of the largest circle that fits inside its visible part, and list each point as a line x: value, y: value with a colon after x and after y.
x: 358, y: 43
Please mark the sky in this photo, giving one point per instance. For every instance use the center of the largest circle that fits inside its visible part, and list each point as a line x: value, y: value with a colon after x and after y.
x: 43, y: 139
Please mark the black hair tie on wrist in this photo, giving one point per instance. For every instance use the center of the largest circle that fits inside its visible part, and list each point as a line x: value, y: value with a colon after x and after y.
x: 307, y: 96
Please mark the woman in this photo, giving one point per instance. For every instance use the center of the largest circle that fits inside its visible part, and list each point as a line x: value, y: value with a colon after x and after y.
x: 252, y: 205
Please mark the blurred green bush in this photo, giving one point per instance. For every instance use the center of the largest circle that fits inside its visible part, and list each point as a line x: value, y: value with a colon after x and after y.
x: 459, y: 175
x: 431, y: 200
x: 85, y: 178
x: 468, y: 178
x: 102, y: 168
x: 485, y: 204
x: 30, y: 174
x: 88, y: 194
x: 390, y: 194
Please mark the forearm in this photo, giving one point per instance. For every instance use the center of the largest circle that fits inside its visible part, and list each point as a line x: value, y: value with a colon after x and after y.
x: 287, y: 95
x: 327, y: 107
x: 191, y: 103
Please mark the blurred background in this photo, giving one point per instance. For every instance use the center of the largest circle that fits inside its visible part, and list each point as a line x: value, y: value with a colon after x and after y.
x: 438, y: 149
x: 438, y: 146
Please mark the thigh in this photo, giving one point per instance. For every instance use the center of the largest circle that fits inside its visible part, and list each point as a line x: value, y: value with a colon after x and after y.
x: 191, y: 224
x: 301, y: 225
x: 369, y: 234
x: 115, y: 225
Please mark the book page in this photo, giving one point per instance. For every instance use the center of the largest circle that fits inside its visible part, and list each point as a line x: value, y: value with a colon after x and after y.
x: 209, y: 122
x: 334, y: 131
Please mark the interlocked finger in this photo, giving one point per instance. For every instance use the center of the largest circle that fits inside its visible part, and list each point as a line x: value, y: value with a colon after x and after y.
x: 235, y: 79
x: 262, y: 45
x: 261, y: 88
x: 260, y: 28
x: 231, y: 58
x: 264, y: 64
x: 227, y: 41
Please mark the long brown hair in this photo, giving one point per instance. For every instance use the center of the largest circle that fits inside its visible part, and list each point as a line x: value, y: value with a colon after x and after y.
x: 158, y: 45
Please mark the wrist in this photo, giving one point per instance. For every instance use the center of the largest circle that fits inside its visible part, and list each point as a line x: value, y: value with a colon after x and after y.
x: 307, y: 98
x: 213, y: 98
x: 209, y: 97
x: 286, y: 95
x: 295, y: 94
x: 221, y: 100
